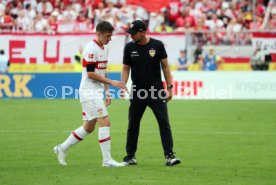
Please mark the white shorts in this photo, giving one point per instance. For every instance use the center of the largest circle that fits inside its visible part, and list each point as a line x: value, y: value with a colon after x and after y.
x: 93, y: 109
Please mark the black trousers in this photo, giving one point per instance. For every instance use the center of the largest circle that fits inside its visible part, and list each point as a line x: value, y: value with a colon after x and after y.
x: 136, y: 111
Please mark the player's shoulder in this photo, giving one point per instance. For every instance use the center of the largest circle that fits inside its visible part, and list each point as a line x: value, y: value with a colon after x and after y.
x: 90, y: 44
x: 130, y: 44
x: 156, y: 41
x: 90, y: 47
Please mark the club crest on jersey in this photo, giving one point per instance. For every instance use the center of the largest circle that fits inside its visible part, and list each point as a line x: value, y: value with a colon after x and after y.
x: 152, y: 52
x: 90, y: 56
x: 100, y: 111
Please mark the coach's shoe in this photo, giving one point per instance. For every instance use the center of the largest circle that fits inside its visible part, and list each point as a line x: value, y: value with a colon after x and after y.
x: 129, y: 160
x: 112, y: 163
x: 171, y: 160
x: 60, y: 155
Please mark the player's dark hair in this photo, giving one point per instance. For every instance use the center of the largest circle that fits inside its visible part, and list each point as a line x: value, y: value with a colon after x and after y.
x: 2, y: 52
x: 104, y: 26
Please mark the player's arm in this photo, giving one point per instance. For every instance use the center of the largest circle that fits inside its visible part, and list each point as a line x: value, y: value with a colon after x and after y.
x: 90, y: 60
x: 168, y: 76
x: 91, y: 74
x: 106, y: 85
x: 107, y: 93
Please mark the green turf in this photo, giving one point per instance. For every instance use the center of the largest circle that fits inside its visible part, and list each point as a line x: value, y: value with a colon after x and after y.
x: 219, y: 142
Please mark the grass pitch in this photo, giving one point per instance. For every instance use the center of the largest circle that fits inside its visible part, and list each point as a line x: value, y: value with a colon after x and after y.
x: 219, y: 142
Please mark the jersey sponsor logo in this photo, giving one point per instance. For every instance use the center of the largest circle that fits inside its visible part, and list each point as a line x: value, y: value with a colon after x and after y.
x: 90, y: 56
x: 152, y: 52
x: 101, y: 64
x: 134, y: 54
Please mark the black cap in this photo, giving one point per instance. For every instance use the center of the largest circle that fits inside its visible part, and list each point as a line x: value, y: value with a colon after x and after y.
x: 136, y: 26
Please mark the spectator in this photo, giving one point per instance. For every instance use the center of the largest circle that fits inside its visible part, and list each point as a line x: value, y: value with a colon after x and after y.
x: 211, y: 61
x: 272, y: 21
x: 99, y: 13
x: 257, y: 25
x: 4, y: 62
x: 260, y: 9
x: 163, y: 28
x: 7, y: 21
x: 31, y: 3
x: 155, y: 21
x: 45, y: 8
x: 214, y: 23
x: 53, y: 22
x: 182, y: 61
x: 69, y: 14
x: 203, y: 5
x: 126, y: 14
x: 23, y: 23
x: 41, y: 24
x: 200, y: 34
x: 118, y: 25
x: 181, y: 15
x: 78, y: 56
x: 141, y: 13
x: 185, y: 20
x: 198, y: 54
x: 259, y: 60
x: 231, y: 32
x: 213, y: 8
x: 111, y: 9
x: 2, y: 8
x: 173, y: 11
x: 30, y: 12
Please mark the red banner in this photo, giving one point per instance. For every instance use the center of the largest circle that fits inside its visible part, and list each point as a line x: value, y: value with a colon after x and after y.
x: 152, y: 5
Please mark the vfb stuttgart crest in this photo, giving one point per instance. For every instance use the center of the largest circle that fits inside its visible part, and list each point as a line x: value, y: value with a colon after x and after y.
x: 152, y: 52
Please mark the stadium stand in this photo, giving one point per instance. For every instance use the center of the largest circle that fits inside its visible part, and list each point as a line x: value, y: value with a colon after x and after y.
x: 225, y: 18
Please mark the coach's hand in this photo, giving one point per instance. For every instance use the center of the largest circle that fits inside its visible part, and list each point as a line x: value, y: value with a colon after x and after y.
x: 169, y: 94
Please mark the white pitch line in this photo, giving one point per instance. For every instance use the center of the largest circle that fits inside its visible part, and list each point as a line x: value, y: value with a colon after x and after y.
x: 150, y: 132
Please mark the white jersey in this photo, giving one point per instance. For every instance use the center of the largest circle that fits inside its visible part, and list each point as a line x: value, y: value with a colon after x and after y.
x: 93, y: 53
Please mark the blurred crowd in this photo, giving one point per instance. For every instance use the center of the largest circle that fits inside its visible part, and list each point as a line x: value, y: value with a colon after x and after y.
x: 223, y: 18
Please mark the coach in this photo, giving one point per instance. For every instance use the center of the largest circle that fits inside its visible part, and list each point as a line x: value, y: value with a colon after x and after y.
x: 143, y: 57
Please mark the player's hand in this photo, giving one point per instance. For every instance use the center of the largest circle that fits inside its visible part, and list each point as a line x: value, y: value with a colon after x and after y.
x: 108, y: 98
x: 123, y: 93
x: 169, y: 94
x: 119, y: 84
x: 108, y: 101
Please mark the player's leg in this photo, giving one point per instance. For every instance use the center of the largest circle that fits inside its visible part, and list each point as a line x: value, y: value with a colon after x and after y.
x: 135, y: 113
x: 104, y: 134
x: 77, y: 135
x: 160, y: 111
